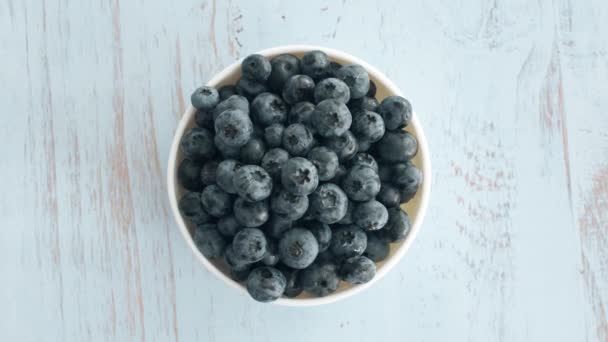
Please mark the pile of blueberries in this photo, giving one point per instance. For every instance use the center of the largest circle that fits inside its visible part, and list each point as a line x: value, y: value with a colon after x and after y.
x: 295, y: 175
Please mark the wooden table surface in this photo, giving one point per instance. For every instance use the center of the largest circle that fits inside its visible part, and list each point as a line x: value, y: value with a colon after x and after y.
x: 512, y: 96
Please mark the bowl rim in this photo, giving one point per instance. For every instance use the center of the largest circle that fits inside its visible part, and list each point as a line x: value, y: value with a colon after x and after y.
x: 425, y: 189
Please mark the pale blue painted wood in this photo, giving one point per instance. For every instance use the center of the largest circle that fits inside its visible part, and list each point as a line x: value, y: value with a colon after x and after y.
x: 512, y: 98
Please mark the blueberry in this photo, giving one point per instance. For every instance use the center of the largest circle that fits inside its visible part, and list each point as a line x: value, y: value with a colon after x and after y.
x: 205, y: 98
x: 233, y: 128
x: 332, y: 88
x: 397, y: 146
x: 204, y: 119
x: 326, y: 162
x: 277, y: 225
x: 345, y: 146
x: 292, y: 288
x: 314, y: 64
x: 301, y: 113
x: 250, y: 214
x: 283, y: 67
x: 325, y: 257
x: 228, y: 226
x: 357, y: 79
x: 368, y: 126
x: 297, y: 139
x: 348, y: 217
x: 329, y: 203
x: 298, y: 248
x: 407, y: 178
x: 253, y: 151
x: 267, y: 108
x: 216, y: 201
x: 385, y: 172
x: 357, y: 270
x: 362, y: 104
x: 271, y: 257
x: 189, y: 175
x: 320, y: 279
x: 289, y: 205
x: 192, y: 209
x: 332, y: 69
x: 274, y: 160
x: 378, y: 247
x: 225, y: 174
x: 361, y: 183
x: 209, y: 241
x: 370, y: 215
x: 273, y: 135
x: 266, y: 284
x: 226, y: 91
x: 249, y: 245
x: 226, y: 151
x: 364, y: 145
x: 233, y: 102
x: 331, y: 118
x: 340, y: 174
x: 348, y: 241
x: 256, y: 67
x: 389, y: 195
x: 233, y: 260
x: 364, y: 159
x: 250, y: 88
x: 398, y: 225
x: 258, y: 132
x: 396, y: 112
x: 241, y: 273
x: 299, y: 176
x: 197, y: 144
x: 298, y: 88
x: 209, y: 172
x: 372, y: 89
x: 252, y: 183
x: 321, y: 231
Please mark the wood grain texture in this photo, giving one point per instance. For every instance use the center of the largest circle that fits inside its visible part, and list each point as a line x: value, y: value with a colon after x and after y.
x: 511, y: 96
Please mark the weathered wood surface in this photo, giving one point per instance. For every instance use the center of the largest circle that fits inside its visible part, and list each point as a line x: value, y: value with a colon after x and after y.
x: 512, y: 95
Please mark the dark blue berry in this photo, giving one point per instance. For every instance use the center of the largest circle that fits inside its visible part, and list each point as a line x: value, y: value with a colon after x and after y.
x: 292, y: 288
x: 396, y: 112
x: 250, y: 88
x: 329, y: 203
x: 234, y: 261
x: 209, y: 241
x: 249, y: 245
x: 233, y: 128
x: 205, y: 98
x: 241, y: 273
x: 372, y: 89
x: 361, y: 183
x: 189, y: 175
x: 314, y: 64
x: 363, y: 104
x: 274, y: 160
x: 197, y: 144
x: 368, y: 126
x: 407, y: 178
x: 321, y: 231
x: 326, y: 162
x: 301, y: 113
x: 378, y: 247
x: 298, y: 88
x: 348, y: 217
x: 277, y: 225
x: 331, y: 118
x: 253, y: 151
x: 320, y: 279
x: 271, y: 257
x: 345, y: 146
x: 398, y: 225
x: 204, y: 119
x: 299, y: 176
x: 225, y: 175
x: 297, y: 139
x: 233, y: 102
x: 289, y: 205
x: 267, y: 108
x: 340, y: 174
x: 226, y: 151
x: 298, y: 248
x: 397, y: 146
x: 216, y: 201
x: 250, y: 214
x: 364, y: 159
x: 273, y: 135
x: 370, y: 215
x: 192, y: 209
x: 226, y: 91
x: 357, y: 270
x: 209, y: 172
x: 389, y: 195
x: 252, y: 183
x: 331, y: 88
x: 266, y: 284
x: 357, y: 79
x: 283, y: 67
x: 332, y: 69
x: 385, y: 172
x: 325, y: 257
x: 348, y: 241
x: 364, y: 145
x: 228, y: 226
x: 256, y: 67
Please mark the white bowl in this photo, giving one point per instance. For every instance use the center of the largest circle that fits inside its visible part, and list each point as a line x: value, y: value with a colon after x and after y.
x: 416, y: 208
